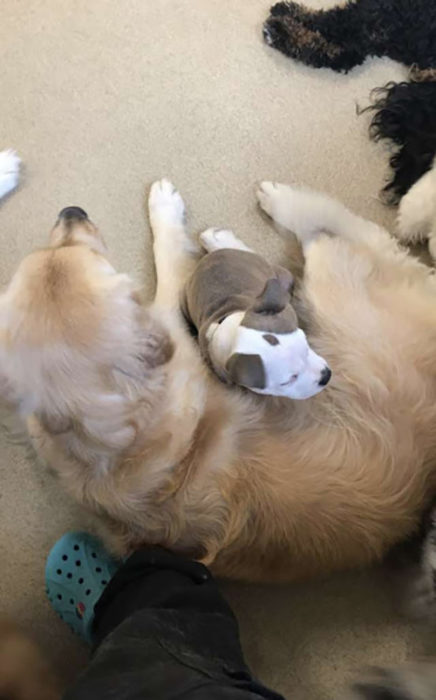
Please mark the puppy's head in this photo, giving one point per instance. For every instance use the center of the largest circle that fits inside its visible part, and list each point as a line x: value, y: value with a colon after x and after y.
x: 73, y: 335
x: 270, y: 353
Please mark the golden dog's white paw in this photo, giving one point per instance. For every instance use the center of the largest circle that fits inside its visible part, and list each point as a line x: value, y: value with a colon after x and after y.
x: 165, y: 204
x: 303, y: 211
x: 9, y: 171
x: 417, y: 210
x: 275, y: 200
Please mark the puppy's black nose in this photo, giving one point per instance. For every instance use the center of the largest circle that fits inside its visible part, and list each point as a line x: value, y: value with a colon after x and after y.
x: 325, y: 376
x: 71, y: 213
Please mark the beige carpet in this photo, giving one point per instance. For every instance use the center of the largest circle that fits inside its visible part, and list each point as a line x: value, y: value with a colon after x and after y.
x: 100, y: 98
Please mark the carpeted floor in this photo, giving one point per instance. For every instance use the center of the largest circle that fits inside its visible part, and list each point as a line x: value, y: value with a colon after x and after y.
x: 100, y: 98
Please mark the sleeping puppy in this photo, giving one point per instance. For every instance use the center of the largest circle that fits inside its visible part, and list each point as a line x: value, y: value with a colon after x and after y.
x: 247, y: 327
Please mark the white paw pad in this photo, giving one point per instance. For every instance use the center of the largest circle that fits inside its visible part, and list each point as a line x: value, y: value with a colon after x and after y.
x: 9, y: 171
x: 166, y: 204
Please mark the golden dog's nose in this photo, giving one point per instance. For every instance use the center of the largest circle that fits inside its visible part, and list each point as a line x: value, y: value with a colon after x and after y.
x: 71, y: 213
x: 73, y: 227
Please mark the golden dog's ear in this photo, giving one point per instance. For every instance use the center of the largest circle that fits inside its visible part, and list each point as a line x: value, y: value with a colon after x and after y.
x: 150, y: 348
x: 156, y: 349
x: 55, y: 424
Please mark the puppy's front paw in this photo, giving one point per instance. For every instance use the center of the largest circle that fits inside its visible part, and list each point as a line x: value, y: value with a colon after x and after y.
x: 166, y: 204
x: 9, y: 171
x: 217, y: 238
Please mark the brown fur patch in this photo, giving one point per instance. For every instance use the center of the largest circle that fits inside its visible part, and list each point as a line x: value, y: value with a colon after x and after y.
x: 271, y: 339
x: 304, y: 38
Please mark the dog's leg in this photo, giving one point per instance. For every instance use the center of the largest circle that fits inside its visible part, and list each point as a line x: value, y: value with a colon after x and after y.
x: 417, y: 212
x: 9, y: 172
x: 308, y: 214
x: 333, y: 38
x: 218, y: 238
x: 174, y: 251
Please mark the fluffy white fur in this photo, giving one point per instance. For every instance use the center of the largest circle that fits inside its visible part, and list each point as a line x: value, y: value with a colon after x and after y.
x: 9, y: 171
x: 309, y: 213
x: 417, y: 212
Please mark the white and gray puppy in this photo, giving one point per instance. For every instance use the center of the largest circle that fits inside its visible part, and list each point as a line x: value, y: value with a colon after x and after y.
x: 247, y: 327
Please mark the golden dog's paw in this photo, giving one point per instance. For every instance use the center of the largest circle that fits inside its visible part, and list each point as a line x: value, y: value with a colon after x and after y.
x: 165, y: 204
x: 268, y: 195
x: 279, y: 202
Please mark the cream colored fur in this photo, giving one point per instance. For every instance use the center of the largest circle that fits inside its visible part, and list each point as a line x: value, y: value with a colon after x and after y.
x: 118, y: 402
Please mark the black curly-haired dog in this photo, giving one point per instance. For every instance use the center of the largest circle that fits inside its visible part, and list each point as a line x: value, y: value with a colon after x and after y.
x: 342, y: 37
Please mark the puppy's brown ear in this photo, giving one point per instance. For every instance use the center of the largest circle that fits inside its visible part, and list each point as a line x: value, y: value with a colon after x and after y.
x: 246, y: 370
x: 273, y: 298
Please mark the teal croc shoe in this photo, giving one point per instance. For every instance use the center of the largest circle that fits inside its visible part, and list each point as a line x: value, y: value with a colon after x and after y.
x: 77, y: 571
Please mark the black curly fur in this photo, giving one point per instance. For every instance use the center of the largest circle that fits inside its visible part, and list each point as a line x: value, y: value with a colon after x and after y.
x: 405, y: 114
x: 342, y: 37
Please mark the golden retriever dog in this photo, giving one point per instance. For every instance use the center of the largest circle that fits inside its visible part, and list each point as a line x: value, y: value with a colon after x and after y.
x: 24, y: 672
x: 119, y: 404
